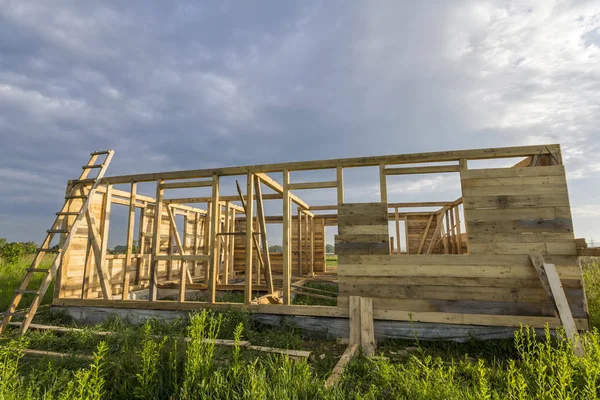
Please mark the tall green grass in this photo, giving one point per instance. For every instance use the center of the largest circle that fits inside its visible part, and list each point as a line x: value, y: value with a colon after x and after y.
x: 11, y: 276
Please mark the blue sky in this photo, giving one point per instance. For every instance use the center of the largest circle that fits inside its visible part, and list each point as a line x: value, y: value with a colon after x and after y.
x: 204, y: 84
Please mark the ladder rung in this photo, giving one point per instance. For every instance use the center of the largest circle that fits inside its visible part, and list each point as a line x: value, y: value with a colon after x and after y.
x: 37, y: 270
x: 57, y: 231
x: 15, y: 314
x: 66, y: 213
x: 76, y: 196
x: 23, y: 291
x: 49, y: 250
x: 92, y: 166
x: 99, y: 153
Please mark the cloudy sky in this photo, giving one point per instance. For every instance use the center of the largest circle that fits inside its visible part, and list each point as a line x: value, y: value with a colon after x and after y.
x: 204, y: 84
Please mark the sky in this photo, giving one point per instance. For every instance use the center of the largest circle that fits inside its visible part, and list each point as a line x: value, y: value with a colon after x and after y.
x: 193, y: 84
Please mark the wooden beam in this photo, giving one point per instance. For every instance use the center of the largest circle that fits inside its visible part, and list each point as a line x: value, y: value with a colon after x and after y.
x: 156, y: 242
x: 184, y: 272
x: 249, y: 237
x: 338, y: 370
x: 434, y: 169
x: 183, y: 185
x: 287, y: 246
x: 273, y: 184
x: 339, y: 172
x: 474, y: 154
x: 97, y: 249
x: 186, y: 257
x: 104, y: 232
x: 130, y: 228
x: 367, y: 331
x: 214, y: 229
x: 538, y: 263
x: 226, y: 240
x: 397, y: 230
x: 383, y: 183
x: 313, y: 185
x: 208, y: 199
x: 424, y: 238
x: 354, y: 314
x: 260, y: 213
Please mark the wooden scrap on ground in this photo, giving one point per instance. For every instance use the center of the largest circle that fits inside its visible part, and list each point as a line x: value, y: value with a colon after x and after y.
x: 338, y: 370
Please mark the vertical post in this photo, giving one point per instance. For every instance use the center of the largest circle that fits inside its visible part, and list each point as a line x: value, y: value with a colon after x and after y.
x: 130, y: 226
x: 299, y: 226
x: 306, y: 239
x: 195, y: 270
x: 340, y: 185
x: 397, y: 229
x: 105, y: 230
x: 449, y: 232
x: 141, y: 245
x: 406, y: 234
x: 287, y: 254
x: 226, y: 240
x: 215, y: 220
x: 156, y: 241
x: 383, y: 183
x: 453, y: 230
x: 260, y: 213
x: 249, y: 237
x: 232, y: 245
x: 312, y: 246
x: 206, y: 244
x: 458, y: 230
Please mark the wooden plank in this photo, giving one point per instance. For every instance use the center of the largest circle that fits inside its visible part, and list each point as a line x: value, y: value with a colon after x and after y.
x: 183, y: 185
x: 382, y: 183
x: 514, y: 190
x: 564, y: 310
x: 538, y: 263
x: 184, y: 271
x: 475, y: 154
x: 156, y: 231
x: 397, y: 220
x: 130, y: 227
x: 555, y: 170
x: 354, y: 314
x: 545, y: 213
x: 590, y: 252
x: 313, y: 185
x: 184, y: 257
x: 458, y: 230
x: 104, y: 229
x: 215, y: 218
x: 208, y: 199
x: 249, y: 237
x: 103, y: 273
x: 338, y: 370
x: 434, y: 169
x: 273, y: 184
x: 339, y: 172
x: 367, y: 331
x: 517, y: 201
x: 425, y: 235
x: 287, y: 238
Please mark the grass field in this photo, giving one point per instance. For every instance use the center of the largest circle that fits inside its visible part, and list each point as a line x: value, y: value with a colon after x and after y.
x: 151, y: 361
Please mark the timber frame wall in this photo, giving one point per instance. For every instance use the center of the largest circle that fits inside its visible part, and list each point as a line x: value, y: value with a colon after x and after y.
x: 466, y: 262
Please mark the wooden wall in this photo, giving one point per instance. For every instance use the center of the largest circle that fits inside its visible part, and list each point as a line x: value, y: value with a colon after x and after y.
x: 418, y: 226
x: 509, y: 213
x: 362, y: 229
x: 277, y: 258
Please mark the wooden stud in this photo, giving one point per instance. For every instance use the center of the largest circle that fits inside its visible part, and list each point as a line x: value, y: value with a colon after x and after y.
x: 232, y: 245
x: 130, y: 227
x: 406, y: 234
x: 141, y: 246
x: 340, y: 185
x: 354, y: 314
x: 458, y: 230
x: 313, y: 185
x: 156, y: 242
x: 397, y: 230
x: 312, y: 246
x: 101, y: 267
x: 383, y: 183
x: 184, y: 272
x: 367, y: 331
x: 299, y: 227
x: 249, y: 237
x: 214, y: 229
x: 260, y: 213
x: 434, y: 169
x: 226, y: 239
x: 287, y: 251
x: 105, y: 226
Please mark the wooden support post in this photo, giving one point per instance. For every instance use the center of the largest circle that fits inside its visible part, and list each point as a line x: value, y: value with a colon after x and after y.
x: 424, y: 238
x: 141, y: 246
x: 249, y: 237
x: 197, y: 227
x: 287, y: 251
x: 104, y: 232
x: 406, y: 235
x: 184, y: 271
x: 97, y: 247
x: 299, y: 226
x: 226, y: 239
x: 338, y: 370
x: 260, y: 213
x: 448, y: 249
x: 130, y: 227
x: 354, y: 315
x: 556, y: 296
x: 397, y: 230
x: 156, y: 241
x: 306, y: 242
x: 367, y: 331
x: 340, y: 185
x: 458, y: 230
x: 453, y: 229
x: 206, y: 245
x: 383, y: 183
x: 312, y: 246
x: 232, y: 246
x: 436, y: 232
x: 215, y: 219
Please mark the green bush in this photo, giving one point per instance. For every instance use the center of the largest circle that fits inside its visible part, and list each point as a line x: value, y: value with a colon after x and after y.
x: 13, y: 252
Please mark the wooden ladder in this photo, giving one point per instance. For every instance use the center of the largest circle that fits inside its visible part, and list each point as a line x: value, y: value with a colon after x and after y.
x: 61, y: 225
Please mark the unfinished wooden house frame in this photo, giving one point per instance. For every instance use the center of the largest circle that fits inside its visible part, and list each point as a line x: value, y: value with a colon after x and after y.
x: 466, y: 261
